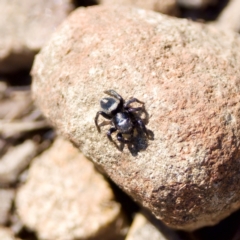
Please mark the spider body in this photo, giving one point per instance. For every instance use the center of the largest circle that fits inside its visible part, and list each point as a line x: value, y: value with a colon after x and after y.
x: 121, y: 115
x: 122, y: 122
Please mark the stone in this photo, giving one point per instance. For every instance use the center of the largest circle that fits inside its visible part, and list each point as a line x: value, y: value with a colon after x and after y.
x: 15, y: 160
x: 164, y: 6
x: 6, y: 234
x: 196, y: 3
x: 15, y: 106
x: 16, y: 224
x: 230, y: 17
x: 24, y: 28
x: 187, y: 74
x: 66, y: 198
x: 142, y: 229
x: 6, y: 199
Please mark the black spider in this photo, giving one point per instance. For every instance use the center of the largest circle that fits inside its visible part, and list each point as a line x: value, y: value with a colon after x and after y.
x: 121, y: 115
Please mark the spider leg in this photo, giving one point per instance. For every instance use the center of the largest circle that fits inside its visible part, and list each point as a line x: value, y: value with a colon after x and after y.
x: 143, y: 127
x: 120, y: 138
x: 97, y: 116
x: 109, y: 132
x: 116, y: 95
x: 131, y: 101
x: 134, y: 109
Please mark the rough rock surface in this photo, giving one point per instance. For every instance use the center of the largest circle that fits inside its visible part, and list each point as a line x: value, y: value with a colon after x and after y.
x: 164, y: 6
x: 187, y: 74
x: 66, y: 198
x: 24, y: 27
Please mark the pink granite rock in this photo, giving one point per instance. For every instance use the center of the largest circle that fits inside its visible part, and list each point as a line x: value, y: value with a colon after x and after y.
x: 187, y: 74
x: 24, y: 27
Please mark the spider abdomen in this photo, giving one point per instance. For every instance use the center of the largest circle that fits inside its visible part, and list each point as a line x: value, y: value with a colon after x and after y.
x: 109, y: 105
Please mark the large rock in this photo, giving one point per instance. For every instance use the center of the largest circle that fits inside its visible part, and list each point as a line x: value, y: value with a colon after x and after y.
x: 187, y: 74
x: 24, y: 27
x: 65, y: 198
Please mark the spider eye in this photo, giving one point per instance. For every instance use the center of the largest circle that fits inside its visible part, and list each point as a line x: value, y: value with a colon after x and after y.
x: 109, y: 105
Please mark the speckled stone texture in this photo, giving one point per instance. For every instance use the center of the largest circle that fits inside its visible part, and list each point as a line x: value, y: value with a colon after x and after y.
x: 187, y: 74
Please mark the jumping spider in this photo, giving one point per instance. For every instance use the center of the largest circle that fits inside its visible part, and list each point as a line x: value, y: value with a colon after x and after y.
x: 121, y: 115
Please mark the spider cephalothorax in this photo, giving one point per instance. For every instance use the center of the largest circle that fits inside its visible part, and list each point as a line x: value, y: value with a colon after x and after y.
x: 121, y: 115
